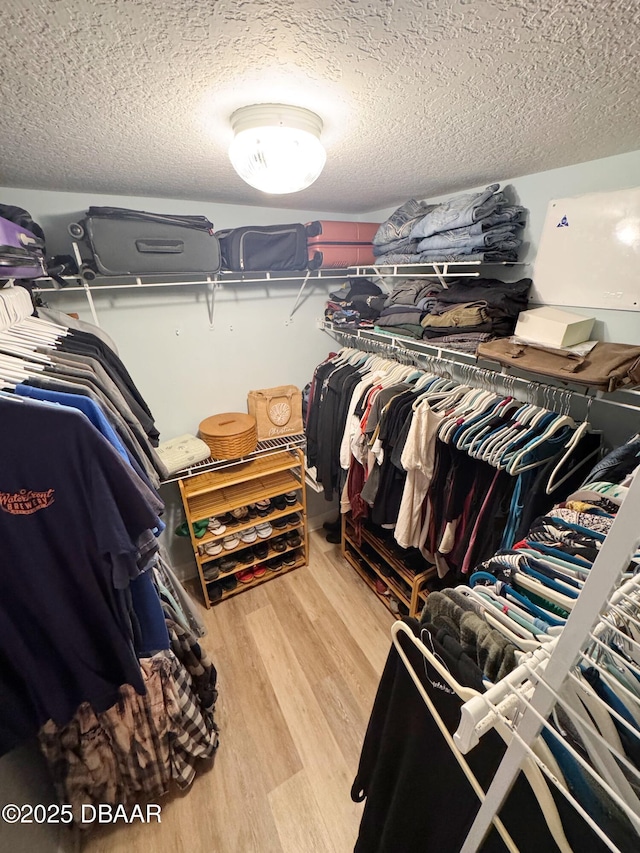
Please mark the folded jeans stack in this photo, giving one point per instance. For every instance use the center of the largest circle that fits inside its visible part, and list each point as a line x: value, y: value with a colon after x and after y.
x: 479, y: 226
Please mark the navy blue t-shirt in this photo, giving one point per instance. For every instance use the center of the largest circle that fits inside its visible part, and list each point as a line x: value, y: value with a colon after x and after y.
x: 70, y: 515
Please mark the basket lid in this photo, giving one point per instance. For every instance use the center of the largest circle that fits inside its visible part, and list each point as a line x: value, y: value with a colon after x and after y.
x: 227, y: 424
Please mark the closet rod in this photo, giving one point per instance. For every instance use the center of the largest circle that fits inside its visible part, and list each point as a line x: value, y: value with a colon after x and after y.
x: 362, y: 339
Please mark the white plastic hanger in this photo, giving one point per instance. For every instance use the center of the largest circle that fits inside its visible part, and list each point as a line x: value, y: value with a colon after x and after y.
x: 575, y: 439
x: 513, y: 466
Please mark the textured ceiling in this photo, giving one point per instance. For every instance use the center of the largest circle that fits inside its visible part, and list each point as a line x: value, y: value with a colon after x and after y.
x: 418, y: 98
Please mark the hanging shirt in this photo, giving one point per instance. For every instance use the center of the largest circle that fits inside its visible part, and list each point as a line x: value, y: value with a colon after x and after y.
x: 70, y: 517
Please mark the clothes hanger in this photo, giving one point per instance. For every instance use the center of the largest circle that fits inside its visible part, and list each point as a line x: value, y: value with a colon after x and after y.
x: 502, y: 588
x: 526, y: 438
x: 498, y: 619
x: 473, y: 431
x: 591, y: 718
x: 573, y: 442
x: 491, y: 450
x: 529, y: 768
x: 487, y: 593
x: 513, y: 466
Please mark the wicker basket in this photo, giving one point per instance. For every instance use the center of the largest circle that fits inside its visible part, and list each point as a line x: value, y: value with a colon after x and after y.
x: 229, y: 435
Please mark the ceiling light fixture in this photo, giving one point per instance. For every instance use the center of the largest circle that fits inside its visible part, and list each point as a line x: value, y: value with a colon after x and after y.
x: 276, y: 148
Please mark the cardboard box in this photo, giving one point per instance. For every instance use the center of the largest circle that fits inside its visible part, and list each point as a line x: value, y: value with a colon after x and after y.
x: 553, y: 327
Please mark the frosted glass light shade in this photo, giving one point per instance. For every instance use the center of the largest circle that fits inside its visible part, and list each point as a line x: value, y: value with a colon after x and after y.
x: 277, y: 148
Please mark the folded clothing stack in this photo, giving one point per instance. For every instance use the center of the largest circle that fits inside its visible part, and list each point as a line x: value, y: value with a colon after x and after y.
x: 406, y: 305
x: 466, y: 313
x: 479, y: 226
x: 356, y: 305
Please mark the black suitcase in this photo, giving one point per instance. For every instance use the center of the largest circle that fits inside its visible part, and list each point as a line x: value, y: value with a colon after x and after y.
x: 134, y: 242
x: 264, y: 247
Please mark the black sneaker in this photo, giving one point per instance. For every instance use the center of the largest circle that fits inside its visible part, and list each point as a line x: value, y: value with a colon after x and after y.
x: 290, y: 558
x: 245, y: 557
x: 253, y: 511
x: 291, y: 498
x: 227, y: 564
x: 279, y: 523
x: 229, y: 583
x: 275, y: 564
x: 279, y: 544
x: 294, y: 541
x: 214, y: 591
x: 279, y: 503
x: 294, y: 518
x: 261, y: 551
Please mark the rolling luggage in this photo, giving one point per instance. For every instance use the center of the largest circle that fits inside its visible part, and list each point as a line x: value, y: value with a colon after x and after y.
x: 22, y: 248
x: 264, y: 247
x: 335, y: 244
x: 134, y: 242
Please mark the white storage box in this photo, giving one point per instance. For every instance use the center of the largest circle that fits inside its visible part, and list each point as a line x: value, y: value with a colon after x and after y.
x: 553, y: 327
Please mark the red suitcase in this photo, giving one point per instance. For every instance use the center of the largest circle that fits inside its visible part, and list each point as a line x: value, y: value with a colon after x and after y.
x: 335, y: 245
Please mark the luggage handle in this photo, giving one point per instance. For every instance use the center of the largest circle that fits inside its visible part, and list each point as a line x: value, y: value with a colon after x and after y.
x: 30, y: 240
x: 160, y: 247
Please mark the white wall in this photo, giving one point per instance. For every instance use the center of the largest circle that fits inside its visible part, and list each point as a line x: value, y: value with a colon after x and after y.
x: 535, y: 192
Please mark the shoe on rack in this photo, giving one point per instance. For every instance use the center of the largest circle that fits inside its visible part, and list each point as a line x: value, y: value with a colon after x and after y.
x: 289, y: 558
x: 212, y: 572
x: 214, y: 591
x: 212, y: 549
x: 279, y: 523
x: 333, y: 537
x: 245, y: 576
x: 294, y: 519
x: 253, y: 510
x: 230, y: 542
x: 227, y: 564
x: 249, y: 535
x: 240, y: 513
x: 264, y: 530
x: 229, y: 584
x: 291, y: 498
x: 263, y: 507
x: 381, y: 587
x: 279, y: 503
x: 261, y: 550
x: 216, y: 527
x: 294, y: 541
x: 247, y: 556
x: 274, y: 564
x: 279, y: 544
x: 259, y: 571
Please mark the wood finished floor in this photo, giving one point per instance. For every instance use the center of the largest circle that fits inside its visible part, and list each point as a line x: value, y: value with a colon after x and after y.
x: 299, y: 660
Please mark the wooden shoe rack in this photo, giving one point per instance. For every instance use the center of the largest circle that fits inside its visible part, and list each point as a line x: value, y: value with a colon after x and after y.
x: 374, y: 558
x: 218, y: 492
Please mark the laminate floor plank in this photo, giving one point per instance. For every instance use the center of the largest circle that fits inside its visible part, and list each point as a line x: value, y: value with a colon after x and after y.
x: 298, y: 660
x: 356, y: 604
x: 250, y: 696
x: 341, y: 646
x: 292, y: 800
x: 321, y: 756
x: 345, y: 717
